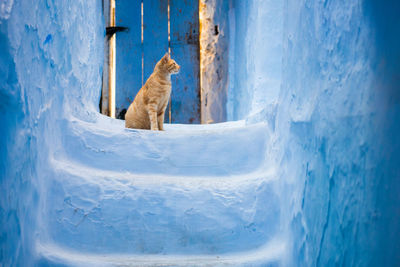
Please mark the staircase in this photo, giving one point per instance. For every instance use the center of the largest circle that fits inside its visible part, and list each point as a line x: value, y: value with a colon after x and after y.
x: 193, y: 195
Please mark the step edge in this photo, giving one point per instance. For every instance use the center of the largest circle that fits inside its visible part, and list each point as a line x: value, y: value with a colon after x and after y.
x: 85, y: 172
x: 273, y: 251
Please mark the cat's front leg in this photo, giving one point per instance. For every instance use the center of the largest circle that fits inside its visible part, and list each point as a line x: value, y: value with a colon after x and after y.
x: 152, y: 110
x: 160, y: 119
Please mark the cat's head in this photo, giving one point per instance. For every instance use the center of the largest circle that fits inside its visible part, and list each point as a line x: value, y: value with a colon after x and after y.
x: 167, y: 64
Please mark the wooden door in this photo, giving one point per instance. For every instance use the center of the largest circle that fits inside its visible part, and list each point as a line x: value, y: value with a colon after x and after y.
x: 146, y: 41
x: 129, y: 51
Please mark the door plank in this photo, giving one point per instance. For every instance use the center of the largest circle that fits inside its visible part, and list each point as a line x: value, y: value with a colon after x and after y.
x: 155, y: 37
x: 128, y: 54
x: 184, y: 23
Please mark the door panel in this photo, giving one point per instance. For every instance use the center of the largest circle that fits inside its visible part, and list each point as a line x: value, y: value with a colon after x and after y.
x: 184, y: 20
x: 128, y: 54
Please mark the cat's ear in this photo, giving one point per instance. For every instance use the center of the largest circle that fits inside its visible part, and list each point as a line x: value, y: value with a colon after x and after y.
x: 166, y: 58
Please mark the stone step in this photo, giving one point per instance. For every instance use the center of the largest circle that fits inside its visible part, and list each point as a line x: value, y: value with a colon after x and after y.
x: 199, y: 150
x: 105, y: 211
x: 270, y: 255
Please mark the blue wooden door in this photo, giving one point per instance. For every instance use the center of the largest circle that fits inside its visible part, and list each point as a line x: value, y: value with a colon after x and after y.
x: 185, y: 99
x: 146, y: 41
x: 128, y: 55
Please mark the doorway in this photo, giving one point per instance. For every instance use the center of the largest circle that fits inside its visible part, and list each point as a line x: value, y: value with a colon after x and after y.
x: 150, y: 28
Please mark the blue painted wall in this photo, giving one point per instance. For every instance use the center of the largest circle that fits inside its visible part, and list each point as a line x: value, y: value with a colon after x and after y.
x: 255, y: 66
x: 335, y: 122
x: 51, y: 64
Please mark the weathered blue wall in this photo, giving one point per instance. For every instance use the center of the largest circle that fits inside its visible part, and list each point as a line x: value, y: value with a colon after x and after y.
x: 255, y: 67
x: 335, y: 120
x: 339, y: 107
x: 51, y: 60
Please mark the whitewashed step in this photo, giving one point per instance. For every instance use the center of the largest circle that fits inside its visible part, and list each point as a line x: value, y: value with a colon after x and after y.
x: 193, y: 195
x: 223, y: 149
x: 105, y: 211
x: 272, y: 254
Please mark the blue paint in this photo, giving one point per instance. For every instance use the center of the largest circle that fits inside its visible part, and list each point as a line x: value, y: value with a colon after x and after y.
x: 310, y: 180
x: 335, y: 121
x: 258, y: 25
x: 185, y: 96
x: 48, y: 39
x: 155, y: 39
x: 33, y: 96
x: 129, y: 53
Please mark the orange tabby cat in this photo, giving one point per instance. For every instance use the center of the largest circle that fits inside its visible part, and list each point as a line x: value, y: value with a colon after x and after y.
x: 148, y: 108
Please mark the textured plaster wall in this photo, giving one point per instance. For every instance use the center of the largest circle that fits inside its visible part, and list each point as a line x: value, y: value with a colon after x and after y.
x: 338, y: 132
x: 214, y: 54
x: 335, y: 117
x: 51, y: 63
x: 255, y: 59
